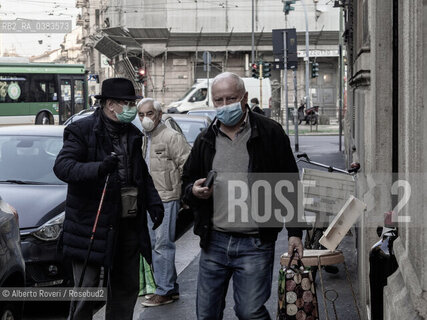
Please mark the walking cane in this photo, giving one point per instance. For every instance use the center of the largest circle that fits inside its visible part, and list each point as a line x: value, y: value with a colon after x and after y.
x: 89, y: 249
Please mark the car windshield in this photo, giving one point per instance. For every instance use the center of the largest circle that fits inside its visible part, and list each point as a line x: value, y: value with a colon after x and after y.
x: 187, y: 93
x: 190, y: 129
x: 29, y: 159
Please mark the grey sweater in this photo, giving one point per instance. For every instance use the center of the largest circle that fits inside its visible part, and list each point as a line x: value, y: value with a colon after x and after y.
x: 231, y: 200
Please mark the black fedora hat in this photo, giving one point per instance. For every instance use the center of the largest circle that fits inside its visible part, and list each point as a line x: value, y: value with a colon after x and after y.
x: 118, y: 89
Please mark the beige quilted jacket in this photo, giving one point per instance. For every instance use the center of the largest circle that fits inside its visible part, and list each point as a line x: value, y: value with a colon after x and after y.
x: 168, y: 152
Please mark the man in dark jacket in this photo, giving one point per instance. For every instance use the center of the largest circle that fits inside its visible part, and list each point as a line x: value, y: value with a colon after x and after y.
x: 107, y: 144
x: 238, y: 141
x: 254, y: 104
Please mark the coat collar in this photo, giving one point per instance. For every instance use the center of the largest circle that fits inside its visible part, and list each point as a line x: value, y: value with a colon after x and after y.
x: 160, y: 127
x: 100, y: 131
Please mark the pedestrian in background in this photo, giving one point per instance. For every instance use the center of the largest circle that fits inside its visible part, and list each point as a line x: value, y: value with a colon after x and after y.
x: 254, y: 104
x: 239, y: 140
x: 122, y: 233
x: 165, y: 152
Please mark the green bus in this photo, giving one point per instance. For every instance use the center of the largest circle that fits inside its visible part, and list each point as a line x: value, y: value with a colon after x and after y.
x: 41, y: 93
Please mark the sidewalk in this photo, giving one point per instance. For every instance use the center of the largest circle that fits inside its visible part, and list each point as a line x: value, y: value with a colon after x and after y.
x: 185, y: 307
x: 187, y: 251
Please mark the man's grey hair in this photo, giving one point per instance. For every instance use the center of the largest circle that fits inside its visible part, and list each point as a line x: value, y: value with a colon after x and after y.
x: 156, y: 104
x: 240, y: 84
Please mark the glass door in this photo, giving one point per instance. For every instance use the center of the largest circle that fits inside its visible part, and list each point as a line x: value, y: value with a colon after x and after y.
x: 66, y: 102
x: 73, y: 96
x: 79, y: 95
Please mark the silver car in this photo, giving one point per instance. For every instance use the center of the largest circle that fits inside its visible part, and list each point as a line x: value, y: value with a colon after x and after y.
x: 28, y: 183
x: 191, y: 126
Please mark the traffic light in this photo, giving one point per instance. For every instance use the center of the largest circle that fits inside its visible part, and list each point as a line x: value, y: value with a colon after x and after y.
x: 288, y: 6
x: 314, y: 69
x: 266, y: 70
x: 141, y: 75
x: 255, y: 71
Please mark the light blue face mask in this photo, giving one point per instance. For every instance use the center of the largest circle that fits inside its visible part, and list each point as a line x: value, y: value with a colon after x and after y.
x: 230, y: 114
x: 128, y: 114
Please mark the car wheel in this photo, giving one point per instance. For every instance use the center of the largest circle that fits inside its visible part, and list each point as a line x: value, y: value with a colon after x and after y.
x: 10, y: 311
x: 43, y: 118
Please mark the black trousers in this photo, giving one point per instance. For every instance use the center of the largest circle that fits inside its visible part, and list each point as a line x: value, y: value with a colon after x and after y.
x: 123, y: 281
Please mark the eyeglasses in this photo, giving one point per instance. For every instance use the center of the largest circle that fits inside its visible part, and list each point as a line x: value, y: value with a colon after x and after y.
x: 124, y: 103
x: 219, y: 102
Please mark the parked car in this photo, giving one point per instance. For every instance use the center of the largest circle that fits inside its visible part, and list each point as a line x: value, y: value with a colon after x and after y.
x: 12, y: 266
x: 82, y: 114
x: 27, y: 182
x: 191, y: 126
x: 208, y: 112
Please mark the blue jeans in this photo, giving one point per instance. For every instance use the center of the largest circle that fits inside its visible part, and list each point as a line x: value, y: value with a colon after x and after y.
x: 163, y: 250
x: 249, y: 262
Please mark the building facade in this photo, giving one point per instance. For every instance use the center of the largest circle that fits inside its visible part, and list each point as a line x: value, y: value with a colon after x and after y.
x: 386, y: 132
x: 168, y: 39
x: 91, y: 20
x: 70, y: 50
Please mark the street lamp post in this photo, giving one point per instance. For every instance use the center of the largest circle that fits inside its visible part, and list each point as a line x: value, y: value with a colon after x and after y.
x: 341, y: 68
x: 285, y: 71
x: 307, y: 58
x: 253, y: 35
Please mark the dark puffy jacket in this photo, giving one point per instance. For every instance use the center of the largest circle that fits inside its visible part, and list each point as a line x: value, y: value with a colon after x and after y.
x: 269, y: 151
x: 86, y: 144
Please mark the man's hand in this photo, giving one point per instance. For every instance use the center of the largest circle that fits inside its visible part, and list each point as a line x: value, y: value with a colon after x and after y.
x: 295, y: 243
x: 201, y: 192
x: 108, y: 166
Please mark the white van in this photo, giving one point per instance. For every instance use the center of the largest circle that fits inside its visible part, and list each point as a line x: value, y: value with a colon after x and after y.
x: 196, y: 96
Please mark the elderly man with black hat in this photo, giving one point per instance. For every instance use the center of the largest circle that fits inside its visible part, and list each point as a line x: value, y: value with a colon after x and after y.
x: 103, y: 145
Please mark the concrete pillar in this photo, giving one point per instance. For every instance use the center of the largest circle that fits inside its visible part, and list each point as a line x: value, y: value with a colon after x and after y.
x: 409, y: 301
x: 370, y: 94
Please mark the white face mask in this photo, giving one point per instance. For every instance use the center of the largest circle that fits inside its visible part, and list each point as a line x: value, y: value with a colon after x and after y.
x: 147, y: 124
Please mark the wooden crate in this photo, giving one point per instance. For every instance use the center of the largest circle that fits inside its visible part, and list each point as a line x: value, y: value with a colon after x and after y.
x: 326, y: 191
